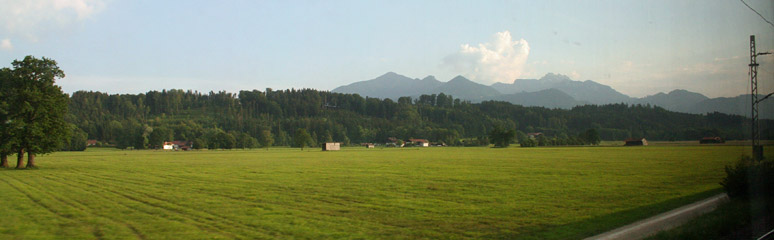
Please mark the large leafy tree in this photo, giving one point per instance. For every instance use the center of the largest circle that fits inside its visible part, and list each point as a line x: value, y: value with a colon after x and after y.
x: 37, y: 107
x: 265, y: 139
x: 159, y: 135
x: 6, y: 123
x: 302, y: 138
x: 591, y: 137
x: 501, y: 137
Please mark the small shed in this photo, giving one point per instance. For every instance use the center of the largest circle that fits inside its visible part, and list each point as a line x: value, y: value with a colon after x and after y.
x: 331, y: 146
x: 91, y: 142
x: 369, y: 145
x: 635, y: 142
x: 708, y: 140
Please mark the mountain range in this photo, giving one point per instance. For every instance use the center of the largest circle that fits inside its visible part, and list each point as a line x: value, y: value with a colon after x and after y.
x: 550, y: 91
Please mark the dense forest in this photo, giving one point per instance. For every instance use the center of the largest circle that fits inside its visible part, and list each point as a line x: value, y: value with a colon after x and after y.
x: 228, y: 120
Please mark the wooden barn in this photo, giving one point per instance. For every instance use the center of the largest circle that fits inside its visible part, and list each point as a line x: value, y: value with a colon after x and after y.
x: 635, y: 142
x: 331, y: 146
x: 708, y: 140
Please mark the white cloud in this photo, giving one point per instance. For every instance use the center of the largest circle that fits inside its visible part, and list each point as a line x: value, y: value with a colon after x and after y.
x: 6, y: 44
x: 501, y: 60
x: 82, y: 8
x: 30, y: 19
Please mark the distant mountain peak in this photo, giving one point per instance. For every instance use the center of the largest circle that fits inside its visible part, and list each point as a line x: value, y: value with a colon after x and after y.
x: 390, y: 75
x: 553, y: 77
x: 459, y: 78
x: 430, y: 78
x: 682, y: 91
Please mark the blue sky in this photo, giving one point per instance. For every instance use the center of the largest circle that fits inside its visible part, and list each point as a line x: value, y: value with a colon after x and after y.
x: 637, y: 47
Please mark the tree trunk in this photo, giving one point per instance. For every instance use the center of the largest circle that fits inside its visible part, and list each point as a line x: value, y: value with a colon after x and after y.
x: 20, y: 159
x: 3, y: 160
x: 31, y: 160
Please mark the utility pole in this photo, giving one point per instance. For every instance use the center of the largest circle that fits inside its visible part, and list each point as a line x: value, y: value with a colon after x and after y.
x: 757, y: 148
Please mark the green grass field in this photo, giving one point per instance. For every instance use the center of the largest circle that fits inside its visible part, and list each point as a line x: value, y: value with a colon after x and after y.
x: 542, y: 193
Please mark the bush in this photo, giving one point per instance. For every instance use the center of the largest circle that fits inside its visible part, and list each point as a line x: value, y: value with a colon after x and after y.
x: 749, y: 179
x: 528, y: 143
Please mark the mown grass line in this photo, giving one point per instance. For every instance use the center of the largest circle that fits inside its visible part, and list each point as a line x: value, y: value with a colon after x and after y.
x: 386, y: 193
x: 322, y: 216
x: 192, y: 211
x: 139, y: 205
x: 201, y: 221
x: 70, y: 219
x: 77, y: 205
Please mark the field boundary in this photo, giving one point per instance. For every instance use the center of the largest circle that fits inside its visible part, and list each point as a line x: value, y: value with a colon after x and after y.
x: 664, y: 221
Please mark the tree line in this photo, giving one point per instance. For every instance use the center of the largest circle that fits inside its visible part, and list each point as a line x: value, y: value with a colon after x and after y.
x: 271, y: 118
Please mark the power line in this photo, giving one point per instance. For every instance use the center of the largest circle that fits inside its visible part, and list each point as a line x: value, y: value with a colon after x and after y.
x: 756, y: 12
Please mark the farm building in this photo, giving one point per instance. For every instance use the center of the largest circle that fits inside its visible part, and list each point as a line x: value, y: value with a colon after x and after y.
x: 331, y: 146
x: 393, y: 142
x: 369, y: 145
x: 635, y: 142
x: 177, y: 145
x: 707, y: 140
x: 419, y: 142
x: 534, y: 135
x: 91, y: 142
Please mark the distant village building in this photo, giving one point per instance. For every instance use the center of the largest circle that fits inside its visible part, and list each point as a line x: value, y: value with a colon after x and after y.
x: 331, y: 146
x: 177, y: 145
x: 635, y: 142
x: 369, y: 145
x: 91, y: 142
x: 419, y: 142
x: 393, y: 142
x: 707, y: 140
x: 534, y: 135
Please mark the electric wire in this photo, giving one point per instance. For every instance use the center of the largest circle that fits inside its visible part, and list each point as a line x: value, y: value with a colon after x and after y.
x: 756, y: 12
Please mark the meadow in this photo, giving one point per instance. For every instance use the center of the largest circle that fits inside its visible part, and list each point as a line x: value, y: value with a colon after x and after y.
x: 356, y: 193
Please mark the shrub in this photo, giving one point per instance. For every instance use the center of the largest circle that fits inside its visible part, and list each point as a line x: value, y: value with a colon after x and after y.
x: 749, y: 179
x: 528, y: 143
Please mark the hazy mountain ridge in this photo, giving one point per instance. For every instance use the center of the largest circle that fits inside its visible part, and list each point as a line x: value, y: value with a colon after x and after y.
x: 461, y: 87
x: 393, y: 86
x: 548, y: 98
x: 550, y: 91
x: 587, y: 91
x: 679, y: 100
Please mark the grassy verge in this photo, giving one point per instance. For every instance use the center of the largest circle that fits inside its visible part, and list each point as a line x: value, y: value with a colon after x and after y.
x: 737, y: 219
x: 593, y: 226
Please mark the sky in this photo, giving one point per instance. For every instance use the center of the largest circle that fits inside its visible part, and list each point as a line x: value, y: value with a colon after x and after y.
x: 637, y: 47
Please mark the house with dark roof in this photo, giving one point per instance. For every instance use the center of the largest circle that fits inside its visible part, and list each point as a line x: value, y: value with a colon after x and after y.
x: 534, y: 135
x: 635, y: 142
x: 177, y: 145
x: 419, y: 142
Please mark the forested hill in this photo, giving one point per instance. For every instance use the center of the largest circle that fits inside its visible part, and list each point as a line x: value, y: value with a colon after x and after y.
x: 143, y: 120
